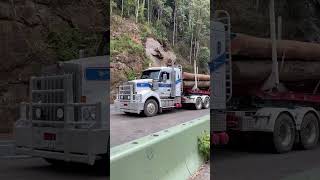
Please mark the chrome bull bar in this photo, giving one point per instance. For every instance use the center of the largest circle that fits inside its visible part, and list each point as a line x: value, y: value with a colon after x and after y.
x: 68, y: 124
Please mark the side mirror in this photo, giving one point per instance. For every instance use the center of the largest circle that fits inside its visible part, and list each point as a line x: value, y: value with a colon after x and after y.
x: 155, y: 85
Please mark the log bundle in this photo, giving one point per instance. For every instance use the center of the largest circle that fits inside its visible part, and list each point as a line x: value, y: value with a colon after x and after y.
x: 203, y: 80
x: 261, y: 48
x: 298, y: 61
x: 201, y: 84
x: 200, y: 77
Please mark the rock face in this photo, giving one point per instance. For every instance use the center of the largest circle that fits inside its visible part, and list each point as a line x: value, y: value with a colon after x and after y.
x: 300, y: 18
x: 157, y: 53
x: 24, y: 49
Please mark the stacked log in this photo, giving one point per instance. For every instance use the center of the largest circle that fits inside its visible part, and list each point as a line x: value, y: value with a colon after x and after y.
x: 203, y: 80
x: 200, y: 77
x: 298, y: 61
x: 261, y: 48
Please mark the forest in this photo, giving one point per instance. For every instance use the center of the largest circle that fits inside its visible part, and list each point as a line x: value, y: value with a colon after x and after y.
x: 183, y: 25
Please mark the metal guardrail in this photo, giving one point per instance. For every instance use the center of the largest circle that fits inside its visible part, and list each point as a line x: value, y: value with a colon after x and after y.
x: 166, y: 155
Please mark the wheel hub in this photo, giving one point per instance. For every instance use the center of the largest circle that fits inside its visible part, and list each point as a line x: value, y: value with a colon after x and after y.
x: 151, y: 108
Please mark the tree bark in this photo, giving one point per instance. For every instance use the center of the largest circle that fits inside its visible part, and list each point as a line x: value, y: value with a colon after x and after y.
x: 148, y: 11
x: 122, y: 8
x: 174, y: 23
x: 137, y: 10
x: 190, y: 58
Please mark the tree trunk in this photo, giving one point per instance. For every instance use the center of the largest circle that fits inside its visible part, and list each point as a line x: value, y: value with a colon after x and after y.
x: 174, y: 23
x: 197, y: 52
x: 121, y: 8
x: 148, y: 11
x: 142, y: 11
x: 190, y: 58
x: 137, y: 10
x: 195, y: 48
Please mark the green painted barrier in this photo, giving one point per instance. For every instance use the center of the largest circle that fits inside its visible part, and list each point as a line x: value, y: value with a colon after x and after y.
x: 171, y: 154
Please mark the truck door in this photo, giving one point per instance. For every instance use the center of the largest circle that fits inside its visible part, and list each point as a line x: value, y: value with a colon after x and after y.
x: 165, y: 84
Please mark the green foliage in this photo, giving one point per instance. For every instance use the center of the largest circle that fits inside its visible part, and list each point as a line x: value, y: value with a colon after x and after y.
x: 145, y: 31
x: 125, y: 44
x: 204, y: 145
x: 160, y: 31
x: 68, y: 42
x: 131, y: 75
x: 146, y: 63
x: 192, y: 22
x: 204, y: 57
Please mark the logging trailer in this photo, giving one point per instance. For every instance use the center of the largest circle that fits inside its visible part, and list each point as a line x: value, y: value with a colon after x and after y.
x: 284, y: 116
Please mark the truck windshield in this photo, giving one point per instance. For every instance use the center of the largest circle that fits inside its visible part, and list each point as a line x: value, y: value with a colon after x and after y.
x: 150, y: 74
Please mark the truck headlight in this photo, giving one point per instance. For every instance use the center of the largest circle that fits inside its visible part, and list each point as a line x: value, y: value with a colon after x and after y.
x: 60, y: 113
x: 38, y: 113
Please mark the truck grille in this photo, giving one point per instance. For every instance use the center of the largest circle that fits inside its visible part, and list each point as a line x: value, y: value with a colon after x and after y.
x: 48, y: 95
x: 125, y: 92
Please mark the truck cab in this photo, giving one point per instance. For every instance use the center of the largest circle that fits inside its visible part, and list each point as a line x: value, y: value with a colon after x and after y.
x: 67, y: 116
x: 158, y: 88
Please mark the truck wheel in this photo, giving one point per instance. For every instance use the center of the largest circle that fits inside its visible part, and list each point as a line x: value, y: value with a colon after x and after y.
x: 309, y: 132
x: 283, y: 134
x: 206, y: 103
x: 198, y: 104
x: 150, y: 108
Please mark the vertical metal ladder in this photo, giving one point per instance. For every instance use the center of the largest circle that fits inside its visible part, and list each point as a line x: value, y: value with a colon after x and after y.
x: 224, y: 17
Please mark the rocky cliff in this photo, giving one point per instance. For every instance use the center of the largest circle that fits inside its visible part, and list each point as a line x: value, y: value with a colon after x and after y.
x: 36, y: 33
x: 301, y: 19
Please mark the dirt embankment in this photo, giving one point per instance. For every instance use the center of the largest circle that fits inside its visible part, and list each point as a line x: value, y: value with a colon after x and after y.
x: 134, y: 48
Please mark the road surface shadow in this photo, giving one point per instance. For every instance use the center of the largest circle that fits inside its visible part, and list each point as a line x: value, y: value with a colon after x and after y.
x: 70, y: 169
x: 164, y: 113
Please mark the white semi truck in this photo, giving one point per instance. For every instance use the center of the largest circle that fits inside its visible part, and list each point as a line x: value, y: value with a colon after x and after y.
x: 67, y: 116
x: 160, y: 88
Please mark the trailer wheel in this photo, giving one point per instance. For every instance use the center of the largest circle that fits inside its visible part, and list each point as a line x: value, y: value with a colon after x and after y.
x: 283, y: 134
x: 309, y: 132
x: 206, y: 103
x: 150, y: 108
x: 198, y: 104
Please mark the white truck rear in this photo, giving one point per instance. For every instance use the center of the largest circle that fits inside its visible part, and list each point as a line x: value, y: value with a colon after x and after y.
x: 67, y: 116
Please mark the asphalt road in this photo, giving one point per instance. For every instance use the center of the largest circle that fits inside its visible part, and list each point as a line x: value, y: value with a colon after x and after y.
x: 125, y: 128
x: 239, y: 164
x: 36, y: 168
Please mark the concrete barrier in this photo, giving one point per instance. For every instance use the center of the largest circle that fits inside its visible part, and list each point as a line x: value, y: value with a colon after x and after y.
x: 166, y: 155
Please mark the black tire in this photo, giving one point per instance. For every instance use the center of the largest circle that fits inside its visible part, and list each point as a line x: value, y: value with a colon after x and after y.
x: 198, y: 104
x: 151, y: 108
x: 283, y: 134
x: 206, y: 103
x: 309, y: 131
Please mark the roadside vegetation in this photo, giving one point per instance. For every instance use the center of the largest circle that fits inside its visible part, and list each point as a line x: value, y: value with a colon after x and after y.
x: 204, y: 145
